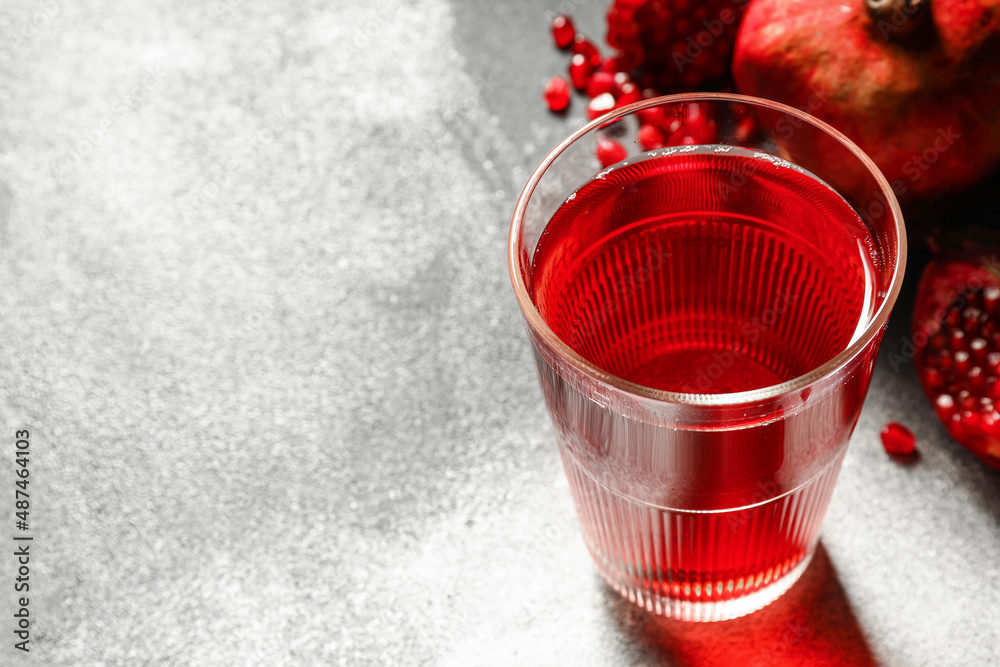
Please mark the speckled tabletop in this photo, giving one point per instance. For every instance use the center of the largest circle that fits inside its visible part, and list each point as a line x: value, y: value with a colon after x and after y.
x: 256, y: 318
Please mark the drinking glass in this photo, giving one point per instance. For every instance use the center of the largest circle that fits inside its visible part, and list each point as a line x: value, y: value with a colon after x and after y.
x: 704, y: 316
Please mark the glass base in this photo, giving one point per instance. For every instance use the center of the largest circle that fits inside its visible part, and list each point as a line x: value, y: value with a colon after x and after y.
x: 723, y: 610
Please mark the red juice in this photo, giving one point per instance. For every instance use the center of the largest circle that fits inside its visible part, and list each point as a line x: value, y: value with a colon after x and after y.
x: 705, y: 270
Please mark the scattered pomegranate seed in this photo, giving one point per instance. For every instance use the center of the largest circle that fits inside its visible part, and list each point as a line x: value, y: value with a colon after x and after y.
x: 600, y: 105
x: 897, y: 439
x: 653, y: 116
x: 600, y: 82
x: 563, y: 30
x: 745, y: 130
x: 585, y: 47
x: 580, y: 70
x: 610, y: 152
x: 611, y: 64
x: 681, y: 137
x: 556, y: 94
x: 627, y: 94
x: 650, y: 137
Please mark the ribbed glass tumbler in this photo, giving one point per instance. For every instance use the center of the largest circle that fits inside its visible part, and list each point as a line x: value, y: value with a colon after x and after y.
x: 705, y: 301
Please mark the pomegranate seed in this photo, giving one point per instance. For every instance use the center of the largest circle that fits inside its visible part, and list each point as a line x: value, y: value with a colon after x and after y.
x: 585, y: 47
x: 991, y: 296
x: 688, y: 135
x: 653, y: 116
x: 563, y: 30
x: 957, y: 340
x: 698, y: 125
x: 745, y: 130
x: 600, y: 82
x: 611, y: 65
x: 976, y: 378
x: 978, y: 347
x: 681, y: 137
x: 650, y: 137
x: 628, y: 93
x: 966, y: 399
x: 610, y: 152
x: 556, y: 94
x: 897, y: 439
x: 580, y: 70
x: 962, y: 361
x: 993, y: 359
x: 945, y: 406
x: 600, y: 105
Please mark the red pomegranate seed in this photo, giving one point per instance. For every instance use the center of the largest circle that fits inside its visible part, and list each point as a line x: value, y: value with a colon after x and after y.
x: 563, y: 30
x: 610, y: 152
x: 650, y: 137
x: 582, y: 45
x: 897, y: 439
x: 611, y: 64
x: 600, y: 105
x: 690, y: 134
x: 580, y: 70
x: 681, y: 137
x: 627, y: 94
x: 945, y: 407
x: 600, y: 82
x: 698, y: 124
x: 556, y: 94
x: 653, y: 116
x: 745, y: 130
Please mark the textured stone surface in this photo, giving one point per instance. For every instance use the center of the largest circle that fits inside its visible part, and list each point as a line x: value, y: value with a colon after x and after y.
x: 255, y: 313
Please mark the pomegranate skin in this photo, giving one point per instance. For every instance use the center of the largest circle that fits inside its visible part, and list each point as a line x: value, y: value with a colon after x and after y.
x: 927, y: 111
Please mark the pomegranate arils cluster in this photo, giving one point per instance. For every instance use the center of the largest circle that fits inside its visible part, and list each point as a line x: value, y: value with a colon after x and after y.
x: 674, y: 43
x: 671, y: 45
x: 960, y: 368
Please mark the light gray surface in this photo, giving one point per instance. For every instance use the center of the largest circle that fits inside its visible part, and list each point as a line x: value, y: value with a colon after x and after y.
x: 256, y: 315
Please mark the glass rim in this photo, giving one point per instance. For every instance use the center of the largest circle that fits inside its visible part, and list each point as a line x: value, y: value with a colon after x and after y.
x: 580, y: 363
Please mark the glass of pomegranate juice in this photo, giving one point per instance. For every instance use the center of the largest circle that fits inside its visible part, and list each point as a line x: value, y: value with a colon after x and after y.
x: 705, y: 280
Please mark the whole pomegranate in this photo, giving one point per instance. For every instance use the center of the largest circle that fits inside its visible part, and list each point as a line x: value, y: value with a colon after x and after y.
x: 915, y: 83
